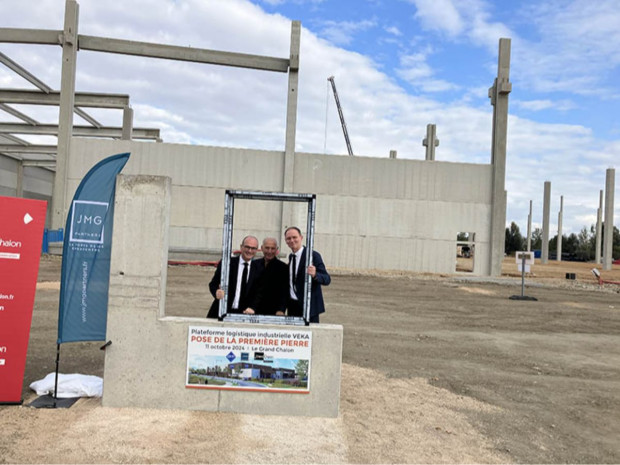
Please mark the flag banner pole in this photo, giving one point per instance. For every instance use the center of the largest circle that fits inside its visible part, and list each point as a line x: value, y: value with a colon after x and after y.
x: 87, y: 247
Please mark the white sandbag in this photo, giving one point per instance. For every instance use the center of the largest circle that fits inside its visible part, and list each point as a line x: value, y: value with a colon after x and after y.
x: 74, y: 385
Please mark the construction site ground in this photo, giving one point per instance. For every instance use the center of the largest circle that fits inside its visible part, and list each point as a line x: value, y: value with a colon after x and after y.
x: 436, y: 369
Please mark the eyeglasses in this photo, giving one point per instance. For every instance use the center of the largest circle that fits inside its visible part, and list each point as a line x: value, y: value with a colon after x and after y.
x: 250, y: 248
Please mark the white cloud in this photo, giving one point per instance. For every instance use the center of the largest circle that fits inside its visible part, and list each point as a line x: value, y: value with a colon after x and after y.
x: 394, y: 31
x: 416, y: 71
x: 546, y: 104
x: 439, y: 15
x: 342, y: 32
x: 462, y: 18
x: 578, y: 49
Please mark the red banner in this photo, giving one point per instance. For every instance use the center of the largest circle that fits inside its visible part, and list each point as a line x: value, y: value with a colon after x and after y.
x: 21, y: 235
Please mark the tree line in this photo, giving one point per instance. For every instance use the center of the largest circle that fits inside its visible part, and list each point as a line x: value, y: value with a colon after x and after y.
x: 581, y: 246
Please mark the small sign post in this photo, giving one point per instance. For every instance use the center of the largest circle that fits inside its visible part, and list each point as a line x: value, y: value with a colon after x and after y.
x: 524, y: 261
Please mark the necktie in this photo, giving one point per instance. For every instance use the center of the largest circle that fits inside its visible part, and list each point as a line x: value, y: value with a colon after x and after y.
x: 244, y: 279
x: 294, y: 271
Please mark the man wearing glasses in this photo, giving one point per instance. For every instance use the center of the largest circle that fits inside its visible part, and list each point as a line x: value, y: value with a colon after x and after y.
x: 243, y: 276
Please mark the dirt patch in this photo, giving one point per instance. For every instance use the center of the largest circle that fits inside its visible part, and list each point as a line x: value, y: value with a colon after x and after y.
x: 383, y: 421
x: 476, y: 290
x: 436, y: 369
x: 49, y: 286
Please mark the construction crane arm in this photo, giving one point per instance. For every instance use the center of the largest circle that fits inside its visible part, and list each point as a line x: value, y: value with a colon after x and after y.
x: 344, y: 125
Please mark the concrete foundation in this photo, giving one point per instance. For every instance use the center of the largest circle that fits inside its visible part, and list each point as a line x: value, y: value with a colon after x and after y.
x: 146, y: 364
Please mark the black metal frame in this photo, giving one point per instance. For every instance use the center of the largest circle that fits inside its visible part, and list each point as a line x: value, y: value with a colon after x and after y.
x: 227, y: 234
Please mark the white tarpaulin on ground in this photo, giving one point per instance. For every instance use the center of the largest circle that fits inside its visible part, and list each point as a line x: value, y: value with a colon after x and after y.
x: 73, y: 385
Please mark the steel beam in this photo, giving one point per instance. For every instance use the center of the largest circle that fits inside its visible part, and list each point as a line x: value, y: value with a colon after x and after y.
x: 30, y: 36
x: 86, y: 117
x: 40, y: 163
x: 18, y: 114
x: 173, y: 52
x: 12, y: 148
x: 82, y: 131
x: 82, y: 99
x: 31, y: 78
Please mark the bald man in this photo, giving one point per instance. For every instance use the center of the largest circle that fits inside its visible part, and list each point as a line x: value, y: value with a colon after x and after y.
x: 273, y: 286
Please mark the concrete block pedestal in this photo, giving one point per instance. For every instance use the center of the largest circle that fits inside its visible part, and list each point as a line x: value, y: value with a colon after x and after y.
x: 146, y: 364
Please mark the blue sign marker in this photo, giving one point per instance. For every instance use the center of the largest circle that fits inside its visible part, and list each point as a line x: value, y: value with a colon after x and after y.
x: 231, y: 357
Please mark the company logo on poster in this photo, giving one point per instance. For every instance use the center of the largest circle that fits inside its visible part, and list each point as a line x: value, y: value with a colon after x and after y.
x: 10, y: 243
x: 269, y: 360
x: 87, y: 225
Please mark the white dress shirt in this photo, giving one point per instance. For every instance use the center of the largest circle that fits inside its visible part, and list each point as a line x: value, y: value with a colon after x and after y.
x: 290, y: 269
x: 238, y: 287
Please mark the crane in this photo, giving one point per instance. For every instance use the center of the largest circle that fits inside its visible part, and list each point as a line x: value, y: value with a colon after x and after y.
x: 344, y: 125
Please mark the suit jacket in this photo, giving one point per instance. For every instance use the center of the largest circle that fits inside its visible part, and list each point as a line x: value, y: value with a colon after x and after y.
x: 273, y: 287
x: 252, y: 286
x: 322, y: 278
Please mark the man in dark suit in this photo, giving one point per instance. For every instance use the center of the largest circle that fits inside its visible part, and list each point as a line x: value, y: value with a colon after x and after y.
x: 243, y: 269
x: 297, y: 277
x: 273, y: 286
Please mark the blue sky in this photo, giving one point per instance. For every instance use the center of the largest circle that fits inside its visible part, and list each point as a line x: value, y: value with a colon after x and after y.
x: 398, y: 65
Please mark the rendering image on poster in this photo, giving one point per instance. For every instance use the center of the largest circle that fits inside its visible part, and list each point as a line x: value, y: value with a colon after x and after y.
x: 249, y: 360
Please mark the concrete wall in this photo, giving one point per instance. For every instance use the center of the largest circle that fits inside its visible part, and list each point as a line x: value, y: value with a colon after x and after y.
x: 372, y: 213
x: 37, y: 182
x: 145, y: 366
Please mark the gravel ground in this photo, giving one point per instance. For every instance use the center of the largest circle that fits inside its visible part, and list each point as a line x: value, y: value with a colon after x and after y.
x: 436, y: 369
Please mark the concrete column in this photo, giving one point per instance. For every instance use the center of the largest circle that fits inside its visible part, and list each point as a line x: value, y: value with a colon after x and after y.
x: 499, y: 99
x: 559, y: 241
x: 65, y: 115
x: 430, y: 141
x: 608, y: 238
x: 393, y: 154
x: 288, y: 184
x: 19, y: 184
x: 141, y: 216
x: 127, y: 123
x: 544, y: 256
x: 529, y: 229
x: 599, y: 229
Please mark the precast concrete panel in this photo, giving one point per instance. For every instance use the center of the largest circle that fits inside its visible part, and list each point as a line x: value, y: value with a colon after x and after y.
x: 187, y: 165
x: 390, y: 178
x: 42, y: 187
x: 372, y: 213
x: 400, y: 218
x: 8, y: 181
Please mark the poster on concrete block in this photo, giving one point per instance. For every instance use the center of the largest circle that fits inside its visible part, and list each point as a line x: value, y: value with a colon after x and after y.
x: 246, y: 359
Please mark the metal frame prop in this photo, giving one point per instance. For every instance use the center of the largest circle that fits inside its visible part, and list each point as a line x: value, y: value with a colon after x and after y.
x: 227, y: 234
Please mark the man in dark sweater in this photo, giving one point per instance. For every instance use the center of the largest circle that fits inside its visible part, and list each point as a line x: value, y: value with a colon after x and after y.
x: 273, y: 286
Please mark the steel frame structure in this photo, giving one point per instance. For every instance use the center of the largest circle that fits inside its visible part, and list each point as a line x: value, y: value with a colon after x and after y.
x: 227, y: 234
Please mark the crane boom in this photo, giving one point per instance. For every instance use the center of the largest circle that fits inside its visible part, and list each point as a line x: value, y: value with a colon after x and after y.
x: 344, y: 125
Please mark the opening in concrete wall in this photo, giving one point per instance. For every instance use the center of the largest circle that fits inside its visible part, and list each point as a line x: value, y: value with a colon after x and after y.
x: 252, y: 215
x: 465, y: 251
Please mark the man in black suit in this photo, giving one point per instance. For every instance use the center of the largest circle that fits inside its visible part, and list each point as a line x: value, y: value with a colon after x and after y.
x: 273, y: 286
x: 243, y: 269
x: 297, y: 277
